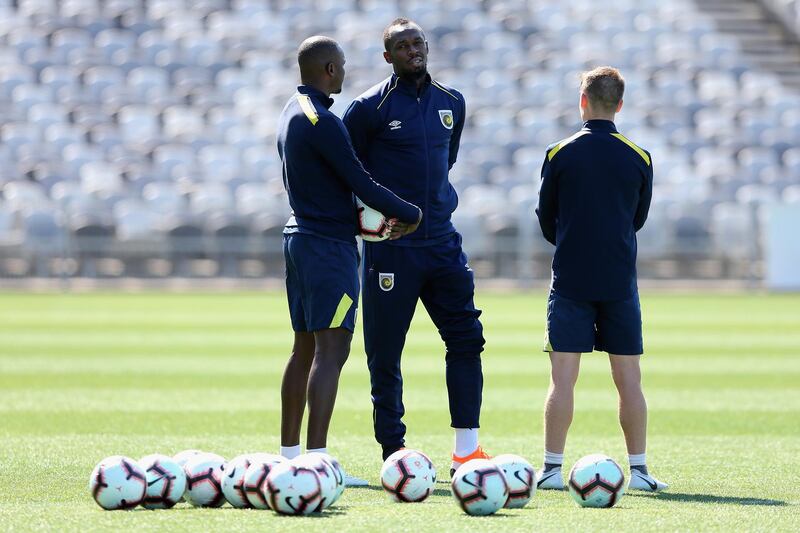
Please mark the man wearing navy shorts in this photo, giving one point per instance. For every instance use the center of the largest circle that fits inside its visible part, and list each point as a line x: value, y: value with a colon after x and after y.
x: 595, y: 194
x: 321, y: 173
x: 407, y: 131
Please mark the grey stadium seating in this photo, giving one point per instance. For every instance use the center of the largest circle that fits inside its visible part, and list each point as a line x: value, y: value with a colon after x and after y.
x: 140, y: 133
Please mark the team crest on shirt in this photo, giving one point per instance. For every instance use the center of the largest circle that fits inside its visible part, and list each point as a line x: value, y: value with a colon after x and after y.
x: 446, y: 116
x: 386, y: 281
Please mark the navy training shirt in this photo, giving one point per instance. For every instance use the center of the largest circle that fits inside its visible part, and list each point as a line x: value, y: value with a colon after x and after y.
x: 321, y: 172
x: 595, y: 193
x: 408, y: 140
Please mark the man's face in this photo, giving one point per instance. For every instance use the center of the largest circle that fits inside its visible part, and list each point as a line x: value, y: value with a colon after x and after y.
x: 408, y: 52
x: 338, y: 73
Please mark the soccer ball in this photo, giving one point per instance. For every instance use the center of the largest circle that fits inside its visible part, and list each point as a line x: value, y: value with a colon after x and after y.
x: 204, y: 480
x: 166, y: 481
x: 255, y: 478
x: 185, y: 455
x: 520, y: 478
x: 233, y: 481
x: 596, y: 481
x: 328, y: 483
x: 293, y: 489
x: 408, y: 476
x: 479, y: 487
x: 338, y: 472
x: 372, y: 225
x: 117, y: 482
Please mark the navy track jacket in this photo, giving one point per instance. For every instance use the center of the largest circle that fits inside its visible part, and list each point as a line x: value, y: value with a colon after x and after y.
x: 409, y: 141
x: 321, y: 172
x: 595, y: 194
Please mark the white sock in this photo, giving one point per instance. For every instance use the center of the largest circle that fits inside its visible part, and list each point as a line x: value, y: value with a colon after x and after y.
x: 290, y: 452
x: 466, y: 441
x: 318, y: 450
x: 637, y: 459
x: 553, y: 458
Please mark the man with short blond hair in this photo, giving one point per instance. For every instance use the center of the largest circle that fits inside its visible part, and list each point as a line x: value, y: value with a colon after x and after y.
x: 595, y: 193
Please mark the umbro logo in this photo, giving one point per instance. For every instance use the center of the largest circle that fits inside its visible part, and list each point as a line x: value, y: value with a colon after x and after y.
x: 395, y: 125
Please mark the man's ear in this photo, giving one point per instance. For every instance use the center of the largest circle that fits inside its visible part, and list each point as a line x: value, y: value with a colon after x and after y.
x: 584, y: 101
x: 619, y: 106
x: 388, y: 57
x: 330, y: 68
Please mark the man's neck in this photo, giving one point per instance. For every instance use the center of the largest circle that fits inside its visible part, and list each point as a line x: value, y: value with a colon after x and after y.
x: 609, y: 118
x: 417, y: 80
x: 318, y: 86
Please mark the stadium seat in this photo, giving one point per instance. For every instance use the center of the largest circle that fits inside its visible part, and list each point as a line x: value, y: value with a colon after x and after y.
x: 230, y: 242
x: 162, y: 103
x: 44, y: 240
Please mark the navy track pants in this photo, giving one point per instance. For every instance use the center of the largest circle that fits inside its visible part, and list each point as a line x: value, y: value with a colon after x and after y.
x: 394, y: 278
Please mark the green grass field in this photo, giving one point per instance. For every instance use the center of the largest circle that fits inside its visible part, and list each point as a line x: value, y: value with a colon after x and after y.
x: 91, y: 375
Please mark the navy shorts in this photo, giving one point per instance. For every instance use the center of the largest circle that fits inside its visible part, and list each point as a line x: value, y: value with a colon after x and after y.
x: 321, y: 282
x: 581, y: 327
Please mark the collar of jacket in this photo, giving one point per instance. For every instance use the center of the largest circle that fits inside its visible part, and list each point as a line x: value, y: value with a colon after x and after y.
x: 599, y: 125
x: 314, y: 93
x: 411, y: 88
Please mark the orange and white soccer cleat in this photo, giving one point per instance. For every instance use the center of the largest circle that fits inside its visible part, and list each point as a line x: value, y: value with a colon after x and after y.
x: 479, y: 453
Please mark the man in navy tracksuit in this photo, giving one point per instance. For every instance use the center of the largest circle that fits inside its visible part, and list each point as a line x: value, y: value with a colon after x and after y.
x: 321, y: 172
x: 594, y: 197
x: 406, y: 130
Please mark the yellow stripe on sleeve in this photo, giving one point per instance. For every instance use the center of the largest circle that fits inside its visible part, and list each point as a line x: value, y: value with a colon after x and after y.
x: 388, y: 93
x: 638, y: 150
x: 341, y: 311
x: 308, y: 108
x: 561, y: 144
x: 552, y: 153
x: 435, y: 84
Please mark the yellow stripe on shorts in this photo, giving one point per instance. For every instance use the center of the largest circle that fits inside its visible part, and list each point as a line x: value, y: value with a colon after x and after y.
x: 341, y: 311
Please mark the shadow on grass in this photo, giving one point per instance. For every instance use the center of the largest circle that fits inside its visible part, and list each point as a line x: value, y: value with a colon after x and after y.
x: 708, y: 498
x: 436, y: 492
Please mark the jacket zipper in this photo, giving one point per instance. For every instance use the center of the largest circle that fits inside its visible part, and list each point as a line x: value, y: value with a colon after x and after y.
x: 427, y: 169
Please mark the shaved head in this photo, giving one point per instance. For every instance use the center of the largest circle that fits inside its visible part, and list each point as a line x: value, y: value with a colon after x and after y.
x: 315, y: 53
x: 321, y: 61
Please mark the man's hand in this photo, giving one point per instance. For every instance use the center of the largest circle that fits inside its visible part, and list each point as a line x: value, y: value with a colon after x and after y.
x: 398, y: 229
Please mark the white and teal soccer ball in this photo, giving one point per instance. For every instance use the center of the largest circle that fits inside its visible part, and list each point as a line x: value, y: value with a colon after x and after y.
x: 372, y: 225
x: 338, y: 472
x: 596, y: 481
x: 327, y: 477
x: 520, y: 477
x: 118, y: 482
x: 293, y: 489
x: 480, y: 488
x: 233, y: 481
x: 185, y: 455
x: 408, y: 476
x: 166, y: 481
x: 204, y: 480
x: 255, y: 478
